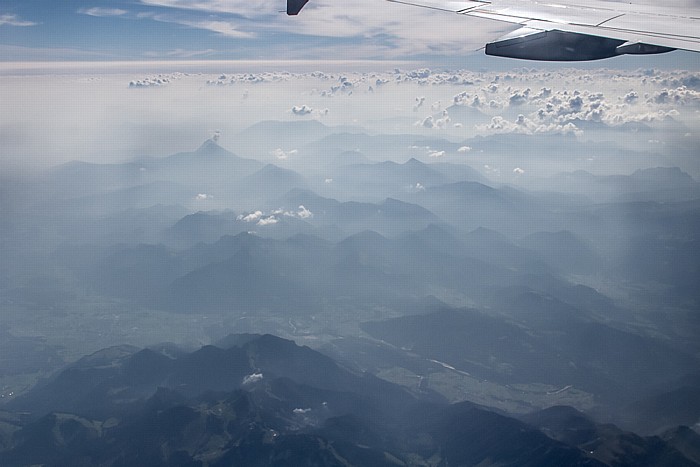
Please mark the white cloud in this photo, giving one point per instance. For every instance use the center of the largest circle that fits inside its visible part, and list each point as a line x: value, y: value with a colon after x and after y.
x: 102, y: 12
x: 301, y: 213
x: 267, y: 221
x: 203, y: 197
x: 518, y: 171
x: 302, y: 110
x: 436, y: 154
x: 159, y: 80
x: 252, y: 378
x: 304, y: 213
x: 250, y: 217
x: 464, y: 149
x: 223, y: 28
x: 379, y: 29
x: 180, y: 53
x: 300, y: 411
x: 631, y: 97
x: 14, y: 20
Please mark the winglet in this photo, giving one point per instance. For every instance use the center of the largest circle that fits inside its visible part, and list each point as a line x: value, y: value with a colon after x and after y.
x: 295, y: 6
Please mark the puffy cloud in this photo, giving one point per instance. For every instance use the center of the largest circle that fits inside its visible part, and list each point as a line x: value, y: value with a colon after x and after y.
x: 304, y: 213
x: 443, y: 121
x: 250, y: 217
x: 252, y: 378
x: 463, y: 98
x: 159, y: 80
x: 267, y: 221
x: 300, y: 411
x: 576, y: 104
x: 302, y: 110
x: 328, y: 181
x: 203, y: 197
x: 436, y: 154
x: 301, y: 213
x: 525, y: 125
x: 518, y: 171
x: 631, y: 97
x: 464, y: 149
x: 519, y: 98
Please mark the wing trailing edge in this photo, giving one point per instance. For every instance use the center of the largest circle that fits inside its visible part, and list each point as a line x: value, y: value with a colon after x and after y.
x: 564, y: 31
x: 564, y: 46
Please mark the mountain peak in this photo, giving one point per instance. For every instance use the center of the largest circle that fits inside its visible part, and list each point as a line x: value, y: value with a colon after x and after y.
x: 211, y: 148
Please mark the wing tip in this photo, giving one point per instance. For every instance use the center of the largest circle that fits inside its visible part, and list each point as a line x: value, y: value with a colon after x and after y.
x: 295, y: 6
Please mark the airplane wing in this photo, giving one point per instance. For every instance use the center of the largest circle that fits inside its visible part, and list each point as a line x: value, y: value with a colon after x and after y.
x: 572, y: 31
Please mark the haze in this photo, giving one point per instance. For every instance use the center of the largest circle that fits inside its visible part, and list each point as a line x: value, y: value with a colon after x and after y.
x: 351, y: 262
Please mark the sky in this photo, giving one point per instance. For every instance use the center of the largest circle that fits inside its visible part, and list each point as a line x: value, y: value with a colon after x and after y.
x: 152, y: 30
x: 108, y: 80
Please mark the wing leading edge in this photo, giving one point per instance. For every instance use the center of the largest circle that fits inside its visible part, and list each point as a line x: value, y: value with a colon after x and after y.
x: 557, y: 31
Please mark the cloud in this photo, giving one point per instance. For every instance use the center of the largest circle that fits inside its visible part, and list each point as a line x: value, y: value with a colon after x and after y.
x: 302, y: 110
x: 267, y: 221
x: 203, y: 197
x: 283, y: 155
x: 14, y: 20
x: 223, y: 28
x: 374, y: 30
x: 300, y: 411
x: 631, y: 97
x: 518, y: 171
x: 526, y: 126
x: 443, y: 121
x: 160, y: 80
x: 519, y: 98
x: 102, y: 12
x: 250, y: 217
x: 419, y: 103
x: 179, y: 53
x: 304, y: 213
x: 436, y: 154
x: 301, y: 213
x: 464, y: 149
x: 252, y: 378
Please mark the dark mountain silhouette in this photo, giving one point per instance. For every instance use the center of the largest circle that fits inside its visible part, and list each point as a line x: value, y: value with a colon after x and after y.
x: 610, y: 445
x: 265, y: 401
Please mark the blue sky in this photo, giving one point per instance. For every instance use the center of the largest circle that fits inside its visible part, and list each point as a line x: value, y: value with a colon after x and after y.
x: 184, y: 29
x: 108, y: 30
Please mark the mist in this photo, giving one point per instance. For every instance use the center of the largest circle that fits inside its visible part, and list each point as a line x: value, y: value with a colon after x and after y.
x: 358, y: 265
